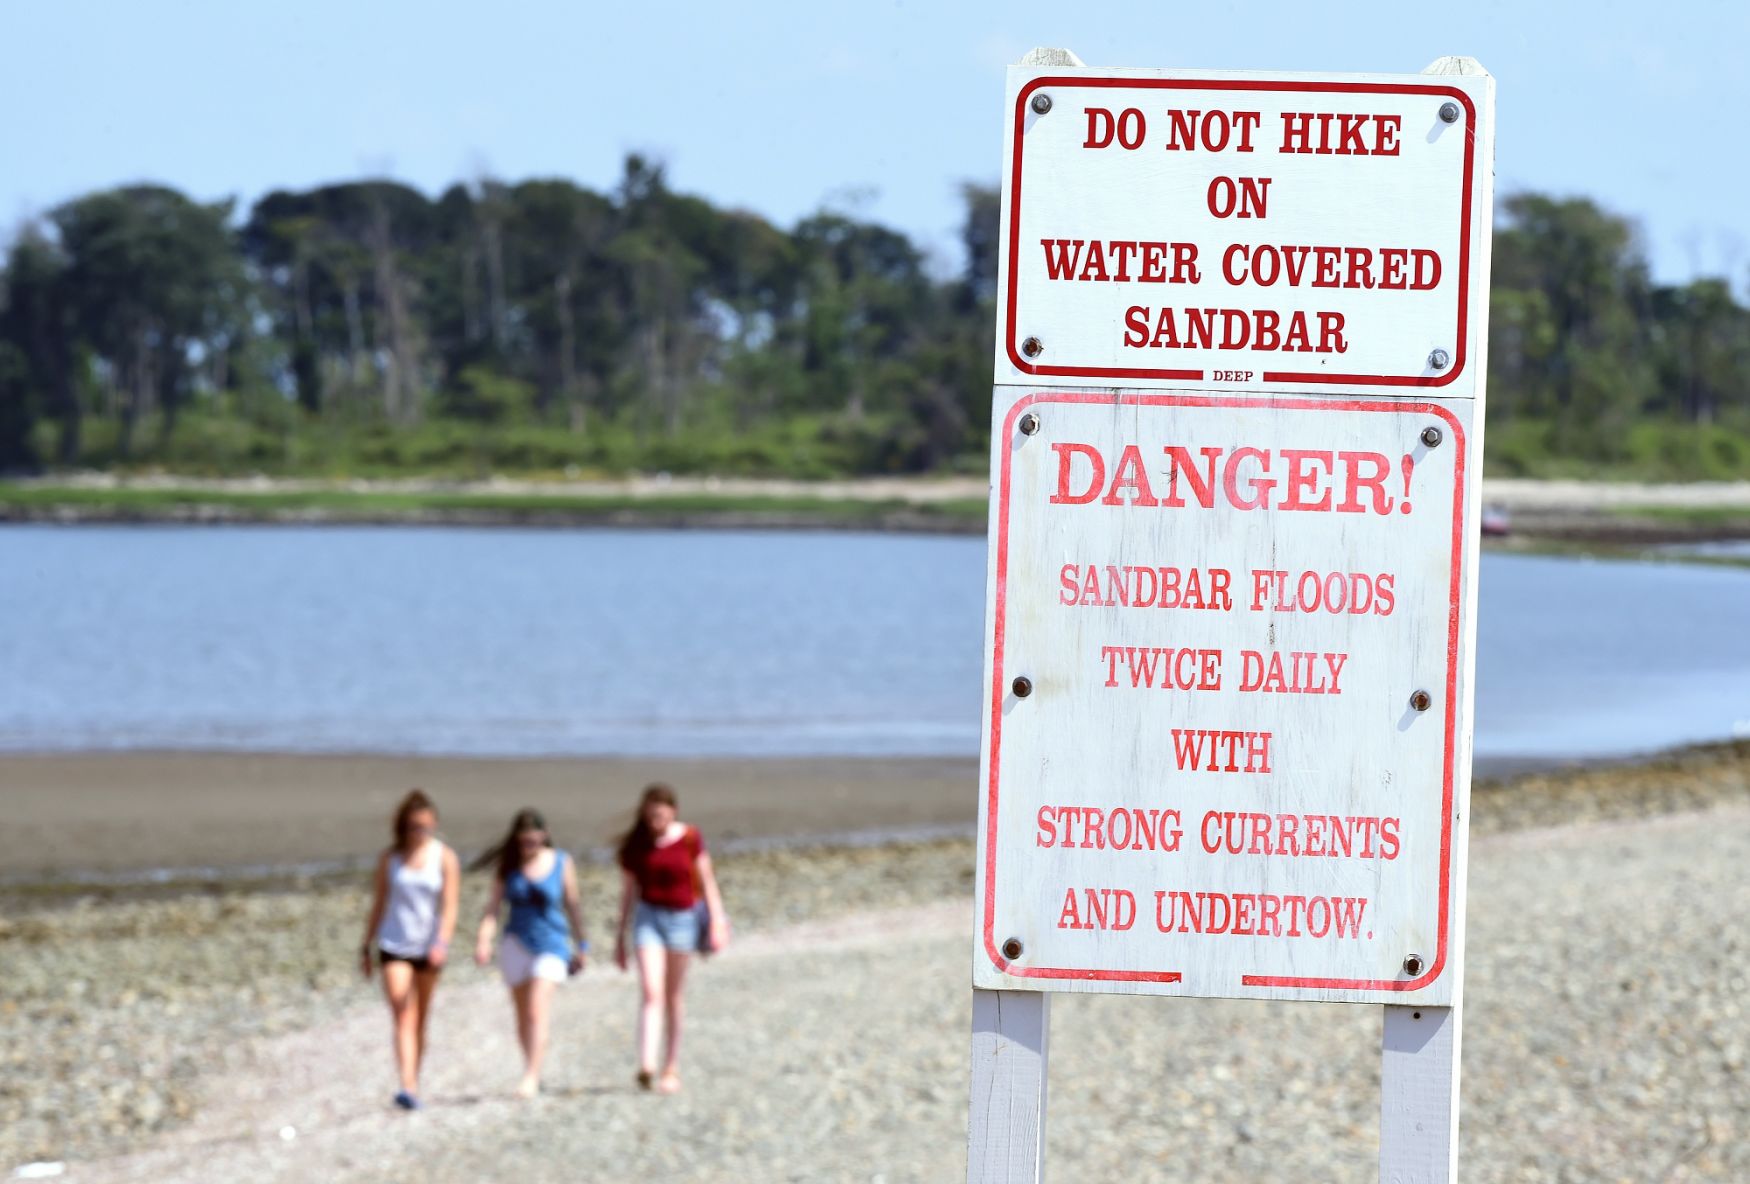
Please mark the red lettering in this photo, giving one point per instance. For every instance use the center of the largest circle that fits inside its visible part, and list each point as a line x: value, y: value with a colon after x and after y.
x: 1261, y: 485
x: 1300, y: 480
x: 1047, y: 824
x: 1101, y: 127
x: 1130, y: 476
x: 1066, y: 454
x: 1061, y: 257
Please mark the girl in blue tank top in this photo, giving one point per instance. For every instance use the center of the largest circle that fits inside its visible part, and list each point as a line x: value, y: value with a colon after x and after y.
x: 539, y: 882
x: 537, y: 914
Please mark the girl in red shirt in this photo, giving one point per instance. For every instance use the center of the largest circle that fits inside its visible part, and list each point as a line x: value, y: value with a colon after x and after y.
x: 670, y: 905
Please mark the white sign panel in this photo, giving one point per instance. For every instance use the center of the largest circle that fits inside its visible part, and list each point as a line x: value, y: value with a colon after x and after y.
x: 1226, y: 745
x: 1251, y: 232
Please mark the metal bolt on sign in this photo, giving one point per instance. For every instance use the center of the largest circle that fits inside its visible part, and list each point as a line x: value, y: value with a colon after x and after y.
x: 1029, y: 424
x: 1440, y: 359
x: 1413, y: 965
x: 1431, y: 437
x: 1012, y: 948
x: 1022, y: 686
x: 1449, y: 113
x: 1421, y: 700
x: 1042, y: 104
x: 1032, y: 347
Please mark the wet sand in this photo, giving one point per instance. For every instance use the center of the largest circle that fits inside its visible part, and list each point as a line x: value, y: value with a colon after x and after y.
x: 121, y: 812
x: 218, y: 815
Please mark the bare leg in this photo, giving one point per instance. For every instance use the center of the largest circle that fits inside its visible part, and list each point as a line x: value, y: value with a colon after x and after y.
x: 403, y: 1010
x: 674, y: 1009
x: 424, y: 983
x: 520, y: 995
x: 538, y: 1007
x: 652, y: 975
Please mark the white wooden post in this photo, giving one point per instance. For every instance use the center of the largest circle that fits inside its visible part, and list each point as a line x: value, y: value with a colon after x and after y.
x: 1011, y: 1029
x: 1418, y: 1113
x: 1006, y: 1140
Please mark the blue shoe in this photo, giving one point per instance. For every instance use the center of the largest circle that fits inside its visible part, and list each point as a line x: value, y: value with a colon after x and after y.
x: 407, y: 1101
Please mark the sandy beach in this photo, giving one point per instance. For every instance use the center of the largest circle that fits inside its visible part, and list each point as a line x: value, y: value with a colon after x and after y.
x: 220, y: 1031
x: 129, y: 811
x: 107, y: 817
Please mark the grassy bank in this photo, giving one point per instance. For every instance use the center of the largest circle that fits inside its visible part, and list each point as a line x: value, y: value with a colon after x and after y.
x: 52, y: 503
x: 1726, y: 519
x: 1643, y: 450
x: 784, y: 505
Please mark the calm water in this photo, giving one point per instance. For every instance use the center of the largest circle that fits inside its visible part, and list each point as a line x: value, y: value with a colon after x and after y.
x: 583, y: 642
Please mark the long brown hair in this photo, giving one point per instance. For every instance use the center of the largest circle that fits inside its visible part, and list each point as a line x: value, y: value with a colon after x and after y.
x: 413, y: 803
x: 640, y: 837
x: 506, y: 855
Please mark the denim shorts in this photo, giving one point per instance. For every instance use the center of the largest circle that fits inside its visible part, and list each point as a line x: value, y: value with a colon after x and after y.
x: 674, y: 929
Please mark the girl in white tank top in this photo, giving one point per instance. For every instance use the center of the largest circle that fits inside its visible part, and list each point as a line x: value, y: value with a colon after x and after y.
x: 410, y: 921
x: 413, y: 917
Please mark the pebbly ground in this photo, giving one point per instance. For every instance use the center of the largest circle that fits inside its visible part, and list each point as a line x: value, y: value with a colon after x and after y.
x: 1606, y: 1040
x: 1607, y: 1032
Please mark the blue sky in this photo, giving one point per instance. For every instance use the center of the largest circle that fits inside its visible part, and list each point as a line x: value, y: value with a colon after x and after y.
x: 781, y: 106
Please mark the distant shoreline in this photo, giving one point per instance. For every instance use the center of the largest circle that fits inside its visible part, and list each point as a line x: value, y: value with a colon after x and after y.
x: 1603, y: 514
x: 164, y: 822
x: 494, y: 504
x: 103, y: 817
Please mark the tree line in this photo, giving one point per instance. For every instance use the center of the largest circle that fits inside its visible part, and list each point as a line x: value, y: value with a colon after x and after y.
x: 364, y: 327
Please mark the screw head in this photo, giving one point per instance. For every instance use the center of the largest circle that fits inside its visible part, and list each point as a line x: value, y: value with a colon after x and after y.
x: 1413, y: 965
x: 1029, y: 424
x: 1448, y: 112
x: 1022, y: 686
x: 1032, y: 347
x: 1421, y: 700
x: 1431, y: 437
x: 1440, y: 359
x: 1042, y: 104
x: 1012, y: 948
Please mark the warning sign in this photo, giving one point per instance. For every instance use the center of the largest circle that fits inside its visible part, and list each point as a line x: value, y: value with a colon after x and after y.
x: 1250, y: 232
x: 1224, y: 709
x: 1230, y: 628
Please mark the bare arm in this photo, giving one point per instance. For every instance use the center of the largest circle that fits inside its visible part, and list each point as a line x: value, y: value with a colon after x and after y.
x: 488, y: 923
x: 379, y: 902
x: 628, y: 898
x: 574, y: 912
x: 713, y: 901
x: 449, y: 907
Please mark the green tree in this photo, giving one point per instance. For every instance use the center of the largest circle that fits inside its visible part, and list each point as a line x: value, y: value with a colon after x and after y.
x: 1571, y: 287
x: 151, y: 277
x: 346, y: 268
x: 36, y: 364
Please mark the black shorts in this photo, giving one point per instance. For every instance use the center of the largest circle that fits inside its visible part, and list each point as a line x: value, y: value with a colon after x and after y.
x: 422, y: 964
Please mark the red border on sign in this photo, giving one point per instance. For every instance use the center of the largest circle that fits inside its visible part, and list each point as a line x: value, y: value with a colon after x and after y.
x: 1470, y: 143
x: 999, y: 626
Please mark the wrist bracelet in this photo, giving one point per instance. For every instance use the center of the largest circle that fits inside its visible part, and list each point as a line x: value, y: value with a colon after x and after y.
x: 583, y: 946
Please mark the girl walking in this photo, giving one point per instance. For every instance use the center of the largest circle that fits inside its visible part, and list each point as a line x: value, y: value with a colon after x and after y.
x: 539, y: 882
x: 413, y: 916
x: 670, y: 907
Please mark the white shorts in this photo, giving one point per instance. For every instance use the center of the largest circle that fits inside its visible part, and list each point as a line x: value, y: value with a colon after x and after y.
x: 519, y: 966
